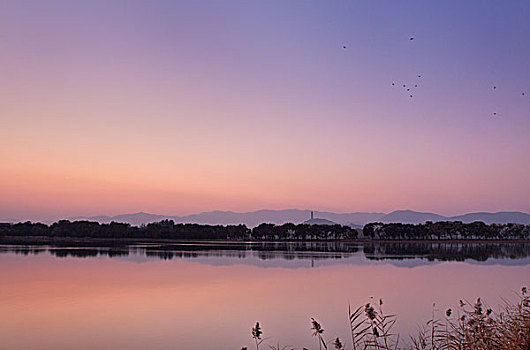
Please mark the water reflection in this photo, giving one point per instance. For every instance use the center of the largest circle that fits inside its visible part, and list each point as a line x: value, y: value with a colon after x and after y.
x: 208, y: 295
x: 428, y: 252
x: 447, y: 251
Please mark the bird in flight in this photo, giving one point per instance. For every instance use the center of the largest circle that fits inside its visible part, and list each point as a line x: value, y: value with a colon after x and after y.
x: 343, y: 46
x: 411, y: 38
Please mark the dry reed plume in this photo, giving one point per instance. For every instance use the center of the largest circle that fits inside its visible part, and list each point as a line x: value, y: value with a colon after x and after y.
x: 472, y: 326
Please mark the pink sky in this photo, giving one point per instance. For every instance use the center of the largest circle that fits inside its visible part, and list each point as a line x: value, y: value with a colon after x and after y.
x: 176, y: 110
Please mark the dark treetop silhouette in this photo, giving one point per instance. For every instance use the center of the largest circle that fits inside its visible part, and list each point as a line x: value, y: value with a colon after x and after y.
x: 167, y: 229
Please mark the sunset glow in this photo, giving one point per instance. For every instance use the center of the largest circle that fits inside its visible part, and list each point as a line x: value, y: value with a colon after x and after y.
x: 171, y: 108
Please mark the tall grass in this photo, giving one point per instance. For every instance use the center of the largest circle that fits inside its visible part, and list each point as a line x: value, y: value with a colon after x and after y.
x: 471, y: 326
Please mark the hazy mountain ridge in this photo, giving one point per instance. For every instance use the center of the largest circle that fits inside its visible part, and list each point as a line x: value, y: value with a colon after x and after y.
x: 318, y: 221
x: 411, y: 217
x: 503, y: 217
x: 296, y: 216
x: 250, y: 219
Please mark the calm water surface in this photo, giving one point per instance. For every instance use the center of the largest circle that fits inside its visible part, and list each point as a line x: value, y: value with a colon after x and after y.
x: 208, y: 296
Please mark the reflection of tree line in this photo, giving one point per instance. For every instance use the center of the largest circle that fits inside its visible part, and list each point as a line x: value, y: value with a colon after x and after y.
x: 87, y: 253
x: 442, y: 251
x: 66, y: 252
x: 262, y: 250
x: 305, y: 246
x: 22, y: 250
x: 168, y: 255
x: 445, y: 251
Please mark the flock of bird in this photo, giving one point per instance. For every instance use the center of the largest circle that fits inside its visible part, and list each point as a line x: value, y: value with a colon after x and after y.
x: 495, y: 89
x: 408, y: 88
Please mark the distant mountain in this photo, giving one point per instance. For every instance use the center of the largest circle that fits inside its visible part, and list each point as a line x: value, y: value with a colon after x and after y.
x: 503, y: 217
x: 102, y: 219
x: 319, y: 222
x: 358, y: 218
x: 277, y: 217
x: 411, y: 217
x: 133, y: 219
x: 414, y: 217
x: 252, y: 219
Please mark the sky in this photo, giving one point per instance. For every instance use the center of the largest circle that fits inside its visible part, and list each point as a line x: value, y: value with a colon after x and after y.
x: 111, y: 107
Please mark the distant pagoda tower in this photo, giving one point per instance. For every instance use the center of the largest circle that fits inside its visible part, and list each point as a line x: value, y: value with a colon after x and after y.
x: 312, y: 216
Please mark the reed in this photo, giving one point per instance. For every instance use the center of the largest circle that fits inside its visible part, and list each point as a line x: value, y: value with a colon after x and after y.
x: 471, y: 326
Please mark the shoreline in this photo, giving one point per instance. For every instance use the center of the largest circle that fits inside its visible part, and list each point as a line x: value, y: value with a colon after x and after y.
x: 46, y: 240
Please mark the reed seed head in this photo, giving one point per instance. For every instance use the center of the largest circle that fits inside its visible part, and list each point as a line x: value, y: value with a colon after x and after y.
x: 370, y: 312
x: 316, y: 327
x: 338, y: 344
x: 256, y: 331
x: 478, y: 307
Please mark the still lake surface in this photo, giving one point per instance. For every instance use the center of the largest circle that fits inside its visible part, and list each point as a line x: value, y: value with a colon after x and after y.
x: 209, y: 295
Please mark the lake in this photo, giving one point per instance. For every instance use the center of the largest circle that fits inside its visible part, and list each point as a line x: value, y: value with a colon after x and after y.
x: 208, y: 295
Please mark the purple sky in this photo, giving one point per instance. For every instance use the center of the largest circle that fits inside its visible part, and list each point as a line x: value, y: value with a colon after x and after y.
x: 174, y: 108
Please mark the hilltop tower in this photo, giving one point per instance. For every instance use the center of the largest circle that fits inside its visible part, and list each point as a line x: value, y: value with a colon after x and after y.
x: 312, y: 215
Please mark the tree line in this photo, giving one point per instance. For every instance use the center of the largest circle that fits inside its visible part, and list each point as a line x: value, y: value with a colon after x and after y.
x: 446, y: 230
x: 167, y: 229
